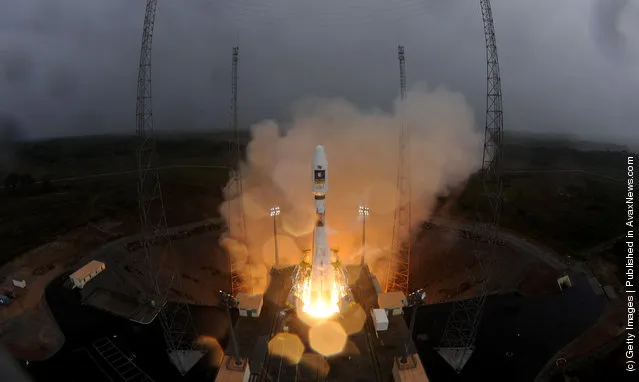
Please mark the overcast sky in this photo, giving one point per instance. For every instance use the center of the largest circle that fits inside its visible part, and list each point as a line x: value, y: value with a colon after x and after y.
x: 69, y: 66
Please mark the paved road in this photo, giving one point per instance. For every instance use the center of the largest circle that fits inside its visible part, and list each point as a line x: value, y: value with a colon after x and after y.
x: 105, y: 249
x: 514, y: 240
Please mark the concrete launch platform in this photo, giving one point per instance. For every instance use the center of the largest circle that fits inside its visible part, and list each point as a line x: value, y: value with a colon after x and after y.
x: 368, y: 355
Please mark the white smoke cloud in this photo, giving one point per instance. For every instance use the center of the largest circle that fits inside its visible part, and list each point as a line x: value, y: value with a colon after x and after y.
x: 362, y: 150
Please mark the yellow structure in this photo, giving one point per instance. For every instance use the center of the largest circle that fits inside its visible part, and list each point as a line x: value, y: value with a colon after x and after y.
x: 86, y: 273
x: 393, y: 302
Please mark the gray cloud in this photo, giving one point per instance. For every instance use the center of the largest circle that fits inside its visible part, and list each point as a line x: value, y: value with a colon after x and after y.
x: 607, y: 28
x: 70, y: 66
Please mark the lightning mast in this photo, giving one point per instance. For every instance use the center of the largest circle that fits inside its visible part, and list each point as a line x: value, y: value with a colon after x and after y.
x: 458, y: 341
x: 241, y: 277
x: 399, y: 259
x: 175, y: 318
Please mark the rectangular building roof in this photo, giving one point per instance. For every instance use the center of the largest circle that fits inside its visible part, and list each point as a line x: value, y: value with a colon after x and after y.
x: 87, y: 269
x: 391, y: 300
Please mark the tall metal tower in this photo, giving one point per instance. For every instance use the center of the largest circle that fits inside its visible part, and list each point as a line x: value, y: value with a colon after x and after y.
x: 241, y: 275
x: 175, y: 318
x: 458, y: 341
x: 399, y: 259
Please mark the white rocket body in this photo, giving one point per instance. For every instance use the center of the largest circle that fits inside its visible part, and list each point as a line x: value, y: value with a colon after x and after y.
x: 323, y: 272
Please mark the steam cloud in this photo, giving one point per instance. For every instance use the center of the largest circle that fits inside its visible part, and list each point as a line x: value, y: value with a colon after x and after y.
x: 362, y: 151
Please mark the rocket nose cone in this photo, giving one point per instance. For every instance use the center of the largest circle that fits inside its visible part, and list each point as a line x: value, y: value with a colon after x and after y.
x: 319, y: 156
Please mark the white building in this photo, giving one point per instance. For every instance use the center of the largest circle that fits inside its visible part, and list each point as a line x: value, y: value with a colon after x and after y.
x: 380, y: 319
x: 392, y: 302
x: 564, y: 282
x: 19, y: 282
x: 249, y: 305
x: 86, y: 273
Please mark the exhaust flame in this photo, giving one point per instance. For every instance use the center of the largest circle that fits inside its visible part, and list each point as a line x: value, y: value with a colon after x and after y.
x: 314, y: 301
x: 318, y: 305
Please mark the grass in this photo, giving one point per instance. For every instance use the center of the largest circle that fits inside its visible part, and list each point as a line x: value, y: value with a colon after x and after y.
x: 78, y: 156
x: 571, y: 212
x: 33, y: 217
x: 568, y: 213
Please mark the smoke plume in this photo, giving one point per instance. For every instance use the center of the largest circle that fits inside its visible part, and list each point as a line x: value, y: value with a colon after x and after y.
x: 362, y: 150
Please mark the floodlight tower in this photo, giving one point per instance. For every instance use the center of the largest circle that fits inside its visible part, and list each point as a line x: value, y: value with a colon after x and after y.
x: 363, y: 212
x: 241, y: 278
x: 275, y: 212
x: 175, y: 318
x: 399, y: 259
x: 458, y: 341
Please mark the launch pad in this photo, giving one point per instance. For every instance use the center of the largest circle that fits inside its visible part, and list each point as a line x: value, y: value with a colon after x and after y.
x: 369, y: 355
x: 320, y: 318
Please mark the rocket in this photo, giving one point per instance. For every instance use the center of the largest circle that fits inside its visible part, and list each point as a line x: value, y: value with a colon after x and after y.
x: 322, y: 273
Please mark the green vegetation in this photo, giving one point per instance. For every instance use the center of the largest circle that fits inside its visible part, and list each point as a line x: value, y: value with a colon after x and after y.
x: 34, y: 216
x: 36, y: 206
x: 569, y: 211
x: 80, y: 156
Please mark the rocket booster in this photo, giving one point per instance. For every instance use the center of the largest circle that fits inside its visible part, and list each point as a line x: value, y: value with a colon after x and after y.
x: 322, y: 276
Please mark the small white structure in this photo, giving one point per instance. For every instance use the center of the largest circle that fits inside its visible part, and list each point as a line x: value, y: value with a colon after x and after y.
x: 250, y: 305
x: 19, y: 282
x: 392, y: 302
x: 380, y: 319
x: 83, y: 275
x: 564, y: 282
